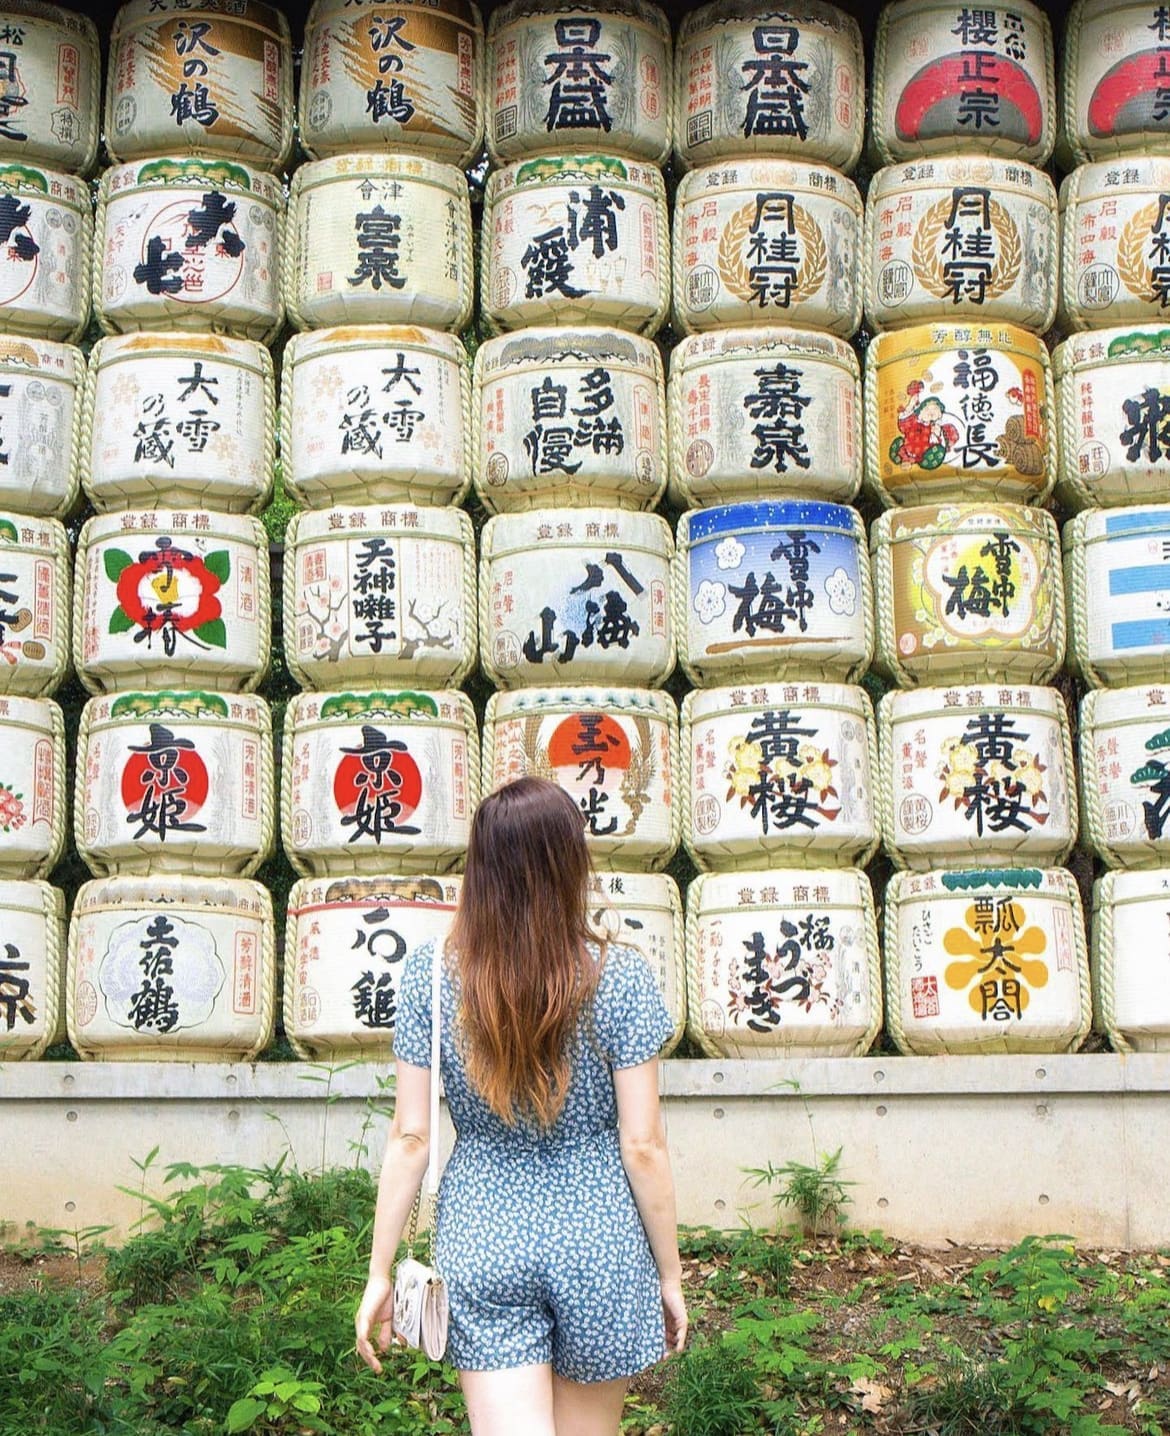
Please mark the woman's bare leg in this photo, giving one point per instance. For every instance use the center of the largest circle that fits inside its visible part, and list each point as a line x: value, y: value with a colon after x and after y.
x: 517, y: 1401
x: 588, y: 1408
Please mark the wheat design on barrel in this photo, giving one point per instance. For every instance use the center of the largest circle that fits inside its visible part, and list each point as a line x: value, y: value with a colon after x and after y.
x: 736, y: 273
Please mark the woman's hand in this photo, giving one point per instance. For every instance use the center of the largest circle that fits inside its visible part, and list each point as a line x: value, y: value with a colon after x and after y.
x: 674, y: 1314
x: 374, y: 1322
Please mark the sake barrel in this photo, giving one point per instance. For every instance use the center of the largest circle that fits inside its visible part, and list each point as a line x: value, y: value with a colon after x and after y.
x: 380, y: 595
x: 171, y: 599
x: 1112, y: 398
x: 378, y: 239
x: 576, y: 596
x: 345, y: 949
x: 968, y: 592
x: 569, y: 419
x: 34, y: 605
x: 1114, y: 80
x: 1125, y: 785
x: 989, y: 960
x: 760, y: 412
x: 32, y: 787
x: 171, y: 968
x: 572, y: 240
x: 51, y: 66
x: 780, y: 775
x: 948, y: 78
x: 41, y: 388
x: 977, y: 776
x: 960, y: 235
x: 765, y: 591
x: 32, y: 969
x: 613, y: 750
x: 783, y: 964
x: 189, y: 243
x: 179, y: 419
x: 402, y: 76
x: 959, y: 411
x: 1117, y: 568
x: 767, y: 241
x: 200, y: 76
x: 375, y: 413
x: 644, y: 911
x: 1131, y: 960
x: 46, y: 247
x: 177, y: 782
x: 1115, y: 237
x: 566, y: 77
x: 755, y: 79
x: 375, y: 781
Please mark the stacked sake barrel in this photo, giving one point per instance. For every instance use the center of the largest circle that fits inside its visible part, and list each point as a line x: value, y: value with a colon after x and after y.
x: 50, y: 73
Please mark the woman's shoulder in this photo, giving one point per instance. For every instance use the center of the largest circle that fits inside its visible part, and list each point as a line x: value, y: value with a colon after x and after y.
x: 621, y: 965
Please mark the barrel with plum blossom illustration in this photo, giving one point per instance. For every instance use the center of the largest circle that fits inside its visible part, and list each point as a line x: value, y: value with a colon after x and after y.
x: 32, y: 969
x: 756, y: 79
x: 949, y: 79
x: 174, y: 782
x: 986, y: 961
x: 572, y: 240
x: 32, y: 787
x: 1131, y: 960
x: 46, y: 247
x: 780, y: 775
x: 378, y: 781
x: 763, y: 591
x: 380, y: 594
x: 572, y: 419
x: 375, y: 413
x: 977, y: 775
x: 643, y: 910
x: 968, y: 592
x: 41, y: 387
x: 613, y: 750
x: 378, y: 239
x: 200, y: 76
x: 1113, y: 97
x: 576, y: 596
x: 1125, y: 784
x: 189, y: 243
x: 171, y: 967
x: 179, y: 419
x: 406, y: 76
x: 565, y: 76
x: 783, y: 963
x: 171, y: 599
x: 767, y: 241
x: 34, y: 605
x: 345, y: 949
x: 762, y: 412
x: 51, y: 65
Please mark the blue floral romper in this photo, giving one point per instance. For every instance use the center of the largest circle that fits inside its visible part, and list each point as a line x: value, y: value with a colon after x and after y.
x: 537, y: 1235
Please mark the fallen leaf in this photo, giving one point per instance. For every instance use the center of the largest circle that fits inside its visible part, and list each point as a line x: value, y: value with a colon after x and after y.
x: 873, y: 1394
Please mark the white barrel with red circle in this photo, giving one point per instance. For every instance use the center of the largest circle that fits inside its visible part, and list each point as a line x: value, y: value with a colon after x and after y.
x: 1113, y: 96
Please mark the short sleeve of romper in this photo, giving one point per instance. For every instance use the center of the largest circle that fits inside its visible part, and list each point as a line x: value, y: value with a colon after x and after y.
x: 630, y: 1017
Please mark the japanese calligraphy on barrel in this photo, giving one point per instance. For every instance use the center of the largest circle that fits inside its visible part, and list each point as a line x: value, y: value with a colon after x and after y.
x: 780, y: 775
x: 1125, y: 785
x: 51, y: 69
x: 171, y: 968
x: 403, y: 76
x: 375, y: 781
x: 948, y: 78
x: 767, y: 241
x: 46, y: 234
x: 566, y: 76
x: 572, y: 240
x: 978, y: 775
x: 1131, y: 960
x: 203, y: 77
x: 763, y: 591
x: 753, y: 78
x: 34, y: 605
x: 1115, y: 243
x: 32, y: 787
x: 380, y: 594
x: 760, y: 412
x: 41, y: 387
x: 1115, y: 73
x: 614, y: 750
x: 968, y: 593
x: 569, y: 419
x: 378, y: 239
x: 986, y: 961
x: 783, y: 963
x: 174, y: 782
x: 959, y: 411
x: 644, y: 911
x: 179, y: 419
x: 32, y: 969
x: 171, y: 599
x: 579, y: 596
x: 189, y: 243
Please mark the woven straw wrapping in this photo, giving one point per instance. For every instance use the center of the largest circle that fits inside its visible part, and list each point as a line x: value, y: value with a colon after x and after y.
x: 72, y: 28
x: 49, y: 902
x: 1119, y: 965
x: 38, y: 714
x: 42, y: 680
x: 66, y: 504
x: 1119, y: 668
x: 58, y: 329
x: 1138, y: 849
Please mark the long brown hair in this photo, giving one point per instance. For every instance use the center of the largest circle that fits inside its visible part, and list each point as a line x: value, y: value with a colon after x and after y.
x: 520, y: 934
